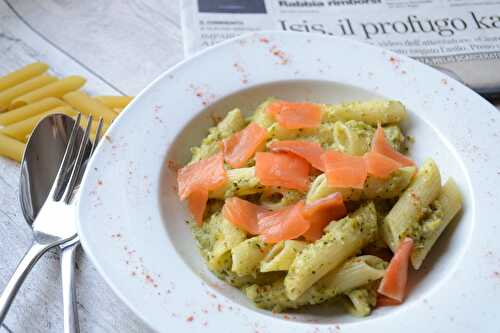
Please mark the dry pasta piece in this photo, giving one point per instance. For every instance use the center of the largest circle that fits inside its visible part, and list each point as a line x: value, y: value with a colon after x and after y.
x: 89, y: 106
x: 23, y: 88
x: 55, y: 89
x: 11, y: 148
x: 20, y: 129
x: 25, y: 73
x: 29, y: 110
x: 115, y: 102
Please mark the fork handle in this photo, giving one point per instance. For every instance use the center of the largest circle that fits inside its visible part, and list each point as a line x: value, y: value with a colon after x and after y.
x: 23, y: 268
x: 70, y: 309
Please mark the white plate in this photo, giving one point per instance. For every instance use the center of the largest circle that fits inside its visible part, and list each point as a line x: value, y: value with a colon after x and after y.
x: 132, y: 225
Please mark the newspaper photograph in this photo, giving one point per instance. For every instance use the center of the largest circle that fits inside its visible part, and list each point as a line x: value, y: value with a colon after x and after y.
x: 459, y: 37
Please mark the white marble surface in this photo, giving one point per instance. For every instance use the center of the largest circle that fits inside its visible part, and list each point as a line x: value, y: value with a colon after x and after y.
x: 120, y: 46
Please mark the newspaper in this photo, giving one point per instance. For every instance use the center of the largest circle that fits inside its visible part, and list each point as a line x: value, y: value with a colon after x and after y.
x: 459, y: 37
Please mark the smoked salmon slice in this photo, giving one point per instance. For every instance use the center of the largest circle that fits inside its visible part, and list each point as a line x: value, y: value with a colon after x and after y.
x: 343, y: 170
x: 308, y: 150
x: 282, y: 169
x: 195, y: 180
x: 243, y: 214
x: 321, y: 212
x: 197, y: 202
x: 241, y: 146
x: 380, y: 165
x: 284, y: 224
x: 208, y: 174
x: 393, y: 284
x: 295, y: 115
x: 382, y: 146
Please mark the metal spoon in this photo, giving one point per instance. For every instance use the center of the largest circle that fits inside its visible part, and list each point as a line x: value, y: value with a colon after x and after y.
x: 48, y: 231
x: 39, y: 167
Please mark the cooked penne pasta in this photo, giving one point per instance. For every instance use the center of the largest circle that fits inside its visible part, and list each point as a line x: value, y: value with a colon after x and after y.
x: 11, y: 148
x: 242, y: 181
x: 411, y: 205
x: 248, y: 255
x: 371, y: 112
x: 446, y: 206
x: 354, y: 273
x: 232, y: 123
x: 281, y: 255
x: 375, y: 188
x: 346, y: 237
x: 353, y: 137
x: 360, y: 302
x: 29, y: 110
x: 322, y: 185
x: 20, y: 129
x: 25, y: 73
x: 23, y: 88
x: 84, y: 103
x: 55, y: 89
x: 115, y: 102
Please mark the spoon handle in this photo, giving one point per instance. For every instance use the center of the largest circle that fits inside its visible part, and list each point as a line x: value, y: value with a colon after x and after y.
x: 68, y: 258
x: 23, y: 268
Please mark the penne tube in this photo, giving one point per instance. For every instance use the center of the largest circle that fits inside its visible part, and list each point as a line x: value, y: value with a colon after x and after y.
x: 25, y: 73
x: 242, y: 181
x: 342, y: 240
x: 374, y: 188
x: 11, y: 148
x: 410, y: 207
x: 29, y: 110
x: 89, y: 106
x: 115, y: 102
x: 446, y: 206
x: 118, y: 110
x: 281, y: 255
x: 353, y: 273
x: 23, y: 88
x: 55, y: 89
x: 371, y: 112
x: 20, y: 129
x: 247, y: 256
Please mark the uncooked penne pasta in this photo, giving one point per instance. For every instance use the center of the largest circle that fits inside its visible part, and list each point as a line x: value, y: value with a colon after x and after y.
x: 29, y: 110
x: 55, y: 89
x: 25, y: 73
x: 89, y: 106
x: 11, y: 148
x: 20, y: 129
x: 23, y: 88
x: 115, y: 102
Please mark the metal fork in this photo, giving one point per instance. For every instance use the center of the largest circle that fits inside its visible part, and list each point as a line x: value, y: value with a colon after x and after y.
x: 68, y: 259
x: 48, y: 231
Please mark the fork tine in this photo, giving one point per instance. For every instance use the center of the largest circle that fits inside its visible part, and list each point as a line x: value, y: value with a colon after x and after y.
x: 97, y: 136
x: 66, y: 159
x: 68, y: 192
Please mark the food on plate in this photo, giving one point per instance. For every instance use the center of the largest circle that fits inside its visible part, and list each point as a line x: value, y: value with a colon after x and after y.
x: 292, y: 203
